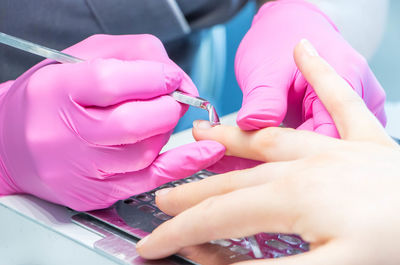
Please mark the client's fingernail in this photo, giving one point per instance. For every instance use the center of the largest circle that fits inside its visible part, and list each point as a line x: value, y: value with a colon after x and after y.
x: 309, y: 48
x: 163, y: 191
x: 202, y: 125
x: 141, y: 242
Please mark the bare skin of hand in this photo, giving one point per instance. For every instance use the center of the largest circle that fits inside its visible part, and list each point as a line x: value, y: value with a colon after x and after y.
x: 342, y: 196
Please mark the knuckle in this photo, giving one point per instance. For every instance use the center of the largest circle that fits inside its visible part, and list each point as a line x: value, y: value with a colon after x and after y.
x: 152, y: 43
x: 270, y: 137
x: 43, y: 80
x: 99, y: 71
x: 208, y: 206
x: 277, y: 132
x: 98, y: 75
x: 151, y: 39
x: 227, y: 182
x: 209, y: 209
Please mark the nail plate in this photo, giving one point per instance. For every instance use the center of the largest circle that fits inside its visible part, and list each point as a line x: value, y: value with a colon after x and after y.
x: 309, y: 48
x: 163, y: 191
x: 202, y: 125
x: 141, y: 242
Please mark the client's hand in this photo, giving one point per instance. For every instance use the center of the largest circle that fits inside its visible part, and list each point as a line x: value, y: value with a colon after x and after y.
x: 342, y: 196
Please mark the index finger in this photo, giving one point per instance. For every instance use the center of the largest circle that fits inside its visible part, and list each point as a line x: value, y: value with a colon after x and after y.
x: 268, y: 145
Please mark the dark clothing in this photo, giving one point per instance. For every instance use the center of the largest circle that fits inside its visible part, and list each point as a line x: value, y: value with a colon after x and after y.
x: 62, y: 23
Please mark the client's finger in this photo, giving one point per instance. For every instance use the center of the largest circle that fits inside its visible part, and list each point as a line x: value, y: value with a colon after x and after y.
x: 175, y: 200
x: 267, y: 145
x: 352, y: 117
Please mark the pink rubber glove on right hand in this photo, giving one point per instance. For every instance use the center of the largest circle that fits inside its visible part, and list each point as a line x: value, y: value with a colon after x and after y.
x: 88, y: 134
x: 274, y: 90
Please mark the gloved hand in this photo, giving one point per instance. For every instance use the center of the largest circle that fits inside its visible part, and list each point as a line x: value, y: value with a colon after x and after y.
x: 88, y: 134
x: 274, y: 91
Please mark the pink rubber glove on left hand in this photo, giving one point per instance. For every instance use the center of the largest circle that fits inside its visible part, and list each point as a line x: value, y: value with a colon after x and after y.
x: 274, y: 90
x: 88, y: 134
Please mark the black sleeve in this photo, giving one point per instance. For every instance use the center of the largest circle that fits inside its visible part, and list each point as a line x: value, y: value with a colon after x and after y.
x: 206, y: 13
x: 59, y: 24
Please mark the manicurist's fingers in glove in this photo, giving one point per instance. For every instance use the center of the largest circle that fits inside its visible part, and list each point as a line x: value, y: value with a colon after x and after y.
x: 88, y: 133
x: 122, y: 99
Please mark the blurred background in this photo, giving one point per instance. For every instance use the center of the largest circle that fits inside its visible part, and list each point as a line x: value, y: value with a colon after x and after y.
x: 213, y: 72
x: 386, y: 65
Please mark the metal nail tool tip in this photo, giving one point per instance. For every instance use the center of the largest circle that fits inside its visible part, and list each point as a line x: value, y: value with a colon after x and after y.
x: 198, y: 103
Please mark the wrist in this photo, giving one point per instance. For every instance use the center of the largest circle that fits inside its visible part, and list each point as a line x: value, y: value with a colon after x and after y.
x: 7, y: 186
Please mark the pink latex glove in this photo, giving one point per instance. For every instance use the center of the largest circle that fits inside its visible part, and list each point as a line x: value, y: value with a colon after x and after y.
x: 274, y: 90
x: 272, y: 85
x: 86, y: 135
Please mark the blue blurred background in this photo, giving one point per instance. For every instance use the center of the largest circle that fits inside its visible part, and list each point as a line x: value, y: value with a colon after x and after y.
x: 386, y: 61
x: 213, y: 70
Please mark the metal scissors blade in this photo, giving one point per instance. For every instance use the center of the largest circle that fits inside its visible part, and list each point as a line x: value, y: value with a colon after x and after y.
x: 66, y: 58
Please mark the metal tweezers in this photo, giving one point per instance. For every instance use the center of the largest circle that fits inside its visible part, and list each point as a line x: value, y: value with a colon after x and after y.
x: 66, y: 58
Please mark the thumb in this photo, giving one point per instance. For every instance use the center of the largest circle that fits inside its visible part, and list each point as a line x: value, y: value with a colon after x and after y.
x: 263, y: 106
x: 265, y: 81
